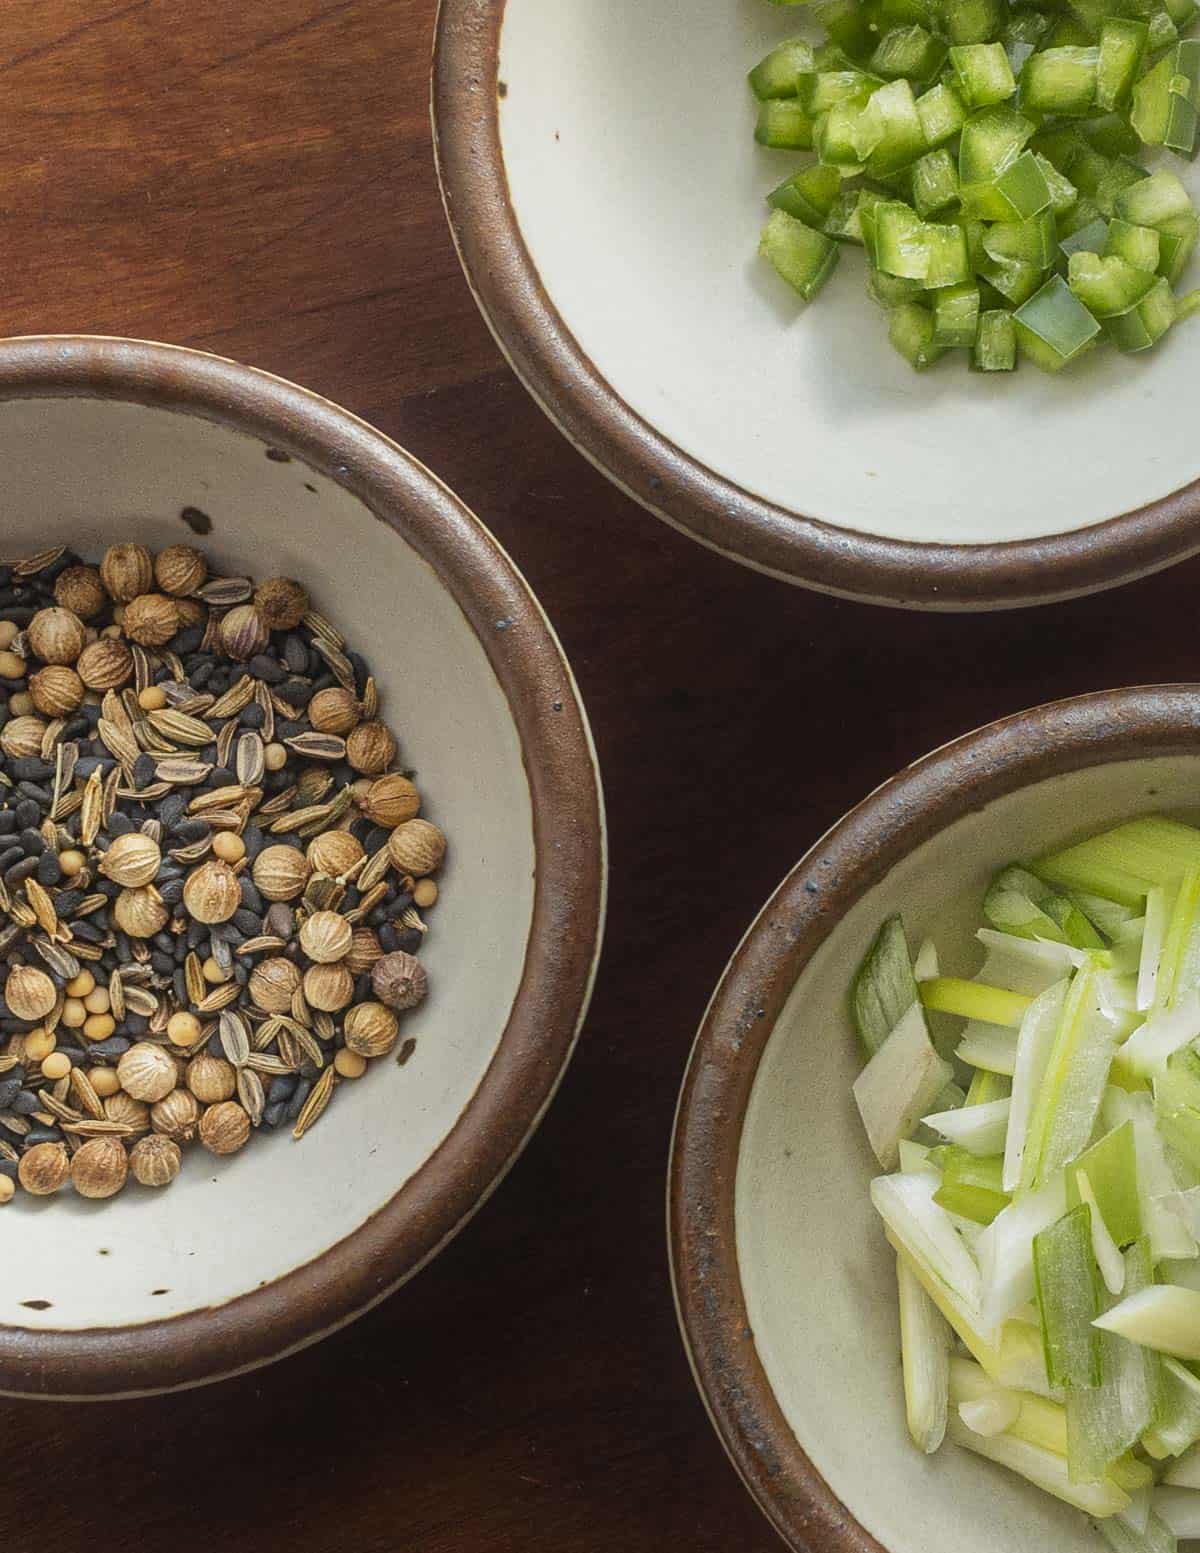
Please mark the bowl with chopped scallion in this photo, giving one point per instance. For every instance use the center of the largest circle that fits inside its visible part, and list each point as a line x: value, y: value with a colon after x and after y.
x: 889, y: 298
x: 935, y: 1182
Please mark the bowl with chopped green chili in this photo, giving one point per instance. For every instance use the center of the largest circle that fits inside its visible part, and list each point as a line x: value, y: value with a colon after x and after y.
x: 935, y: 1180
x: 301, y: 867
x: 887, y: 299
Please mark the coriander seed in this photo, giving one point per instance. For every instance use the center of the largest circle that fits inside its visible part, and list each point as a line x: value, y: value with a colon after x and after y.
x: 56, y: 636
x: 326, y: 937
x: 43, y: 1169
x: 371, y: 1029
x: 211, y: 1079
x: 99, y: 1168
x: 80, y: 590
x: 224, y: 1128
x: 155, y: 1160
x: 126, y: 570
x: 147, y: 1072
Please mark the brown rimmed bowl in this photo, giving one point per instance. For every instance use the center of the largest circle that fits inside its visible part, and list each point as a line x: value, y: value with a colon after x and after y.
x: 243, y: 1260
x: 784, y: 1283
x: 605, y: 193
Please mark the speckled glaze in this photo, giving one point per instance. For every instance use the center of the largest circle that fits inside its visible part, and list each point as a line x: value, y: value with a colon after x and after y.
x: 783, y: 1281
x: 604, y: 193
x: 243, y: 1260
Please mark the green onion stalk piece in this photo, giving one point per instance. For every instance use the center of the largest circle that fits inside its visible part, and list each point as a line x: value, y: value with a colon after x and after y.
x: 1068, y: 1299
x: 925, y: 1339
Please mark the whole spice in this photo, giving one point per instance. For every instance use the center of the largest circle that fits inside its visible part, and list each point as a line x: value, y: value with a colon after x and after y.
x: 213, y: 855
x: 131, y: 859
x: 21, y: 738
x: 127, y: 1112
x: 105, y: 665
x: 140, y: 912
x: 335, y: 852
x: 176, y: 1115
x: 273, y: 984
x: 147, y: 1072
x: 29, y: 993
x: 151, y: 619
x: 334, y: 710
x: 44, y: 1168
x: 416, y: 848
x: 328, y: 987
x: 244, y: 632
x: 364, y: 950
x: 180, y: 569
x: 390, y: 800
x: 371, y: 1029
x: 56, y: 691
x: 370, y: 748
x: 280, y: 873
x: 211, y: 1079
x: 224, y: 1128
x: 99, y: 1168
x: 155, y: 1160
x: 80, y: 590
x: 326, y: 937
x: 211, y: 892
x: 126, y: 570
x: 56, y: 635
x: 399, y: 980
x: 281, y: 602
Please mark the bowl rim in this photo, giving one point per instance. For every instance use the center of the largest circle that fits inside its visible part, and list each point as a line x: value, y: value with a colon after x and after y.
x: 850, y: 859
x: 671, y: 484
x: 563, y: 948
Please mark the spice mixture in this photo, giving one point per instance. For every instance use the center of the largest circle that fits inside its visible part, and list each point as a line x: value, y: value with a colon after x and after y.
x: 211, y: 872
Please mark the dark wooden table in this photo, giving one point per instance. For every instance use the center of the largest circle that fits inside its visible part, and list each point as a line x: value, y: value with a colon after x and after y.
x: 256, y: 180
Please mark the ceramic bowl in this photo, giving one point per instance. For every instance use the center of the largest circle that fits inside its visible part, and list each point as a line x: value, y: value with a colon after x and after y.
x: 784, y: 1282
x: 606, y: 195
x: 245, y: 1259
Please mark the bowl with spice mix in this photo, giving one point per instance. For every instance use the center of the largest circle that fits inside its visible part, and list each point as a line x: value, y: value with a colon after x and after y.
x: 301, y: 867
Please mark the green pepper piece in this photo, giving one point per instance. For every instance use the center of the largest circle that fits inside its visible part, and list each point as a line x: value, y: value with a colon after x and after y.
x: 778, y: 74
x: 808, y: 195
x: 934, y: 182
x: 956, y: 315
x: 910, y: 331
x: 784, y: 125
x: 804, y: 258
x: 941, y: 113
x: 1060, y: 81
x: 982, y: 74
x: 1122, y: 47
x: 910, y: 52
x: 1107, y: 286
x: 1054, y: 327
x: 1146, y: 323
x: 995, y: 343
x: 1137, y: 245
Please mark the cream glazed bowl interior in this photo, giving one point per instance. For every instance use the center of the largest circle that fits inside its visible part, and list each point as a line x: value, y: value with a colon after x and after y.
x: 242, y: 1260
x: 606, y: 195
x: 784, y: 1283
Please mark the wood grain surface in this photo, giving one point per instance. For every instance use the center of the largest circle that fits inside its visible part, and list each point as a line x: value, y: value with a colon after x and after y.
x: 256, y: 180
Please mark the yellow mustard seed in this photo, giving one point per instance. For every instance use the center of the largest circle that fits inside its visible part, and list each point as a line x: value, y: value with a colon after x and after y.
x: 228, y: 846
x: 39, y: 1043
x: 152, y: 699
x: 57, y: 1065
x: 79, y: 986
x: 349, y: 1064
x: 183, y: 1029
x: 98, y: 1027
